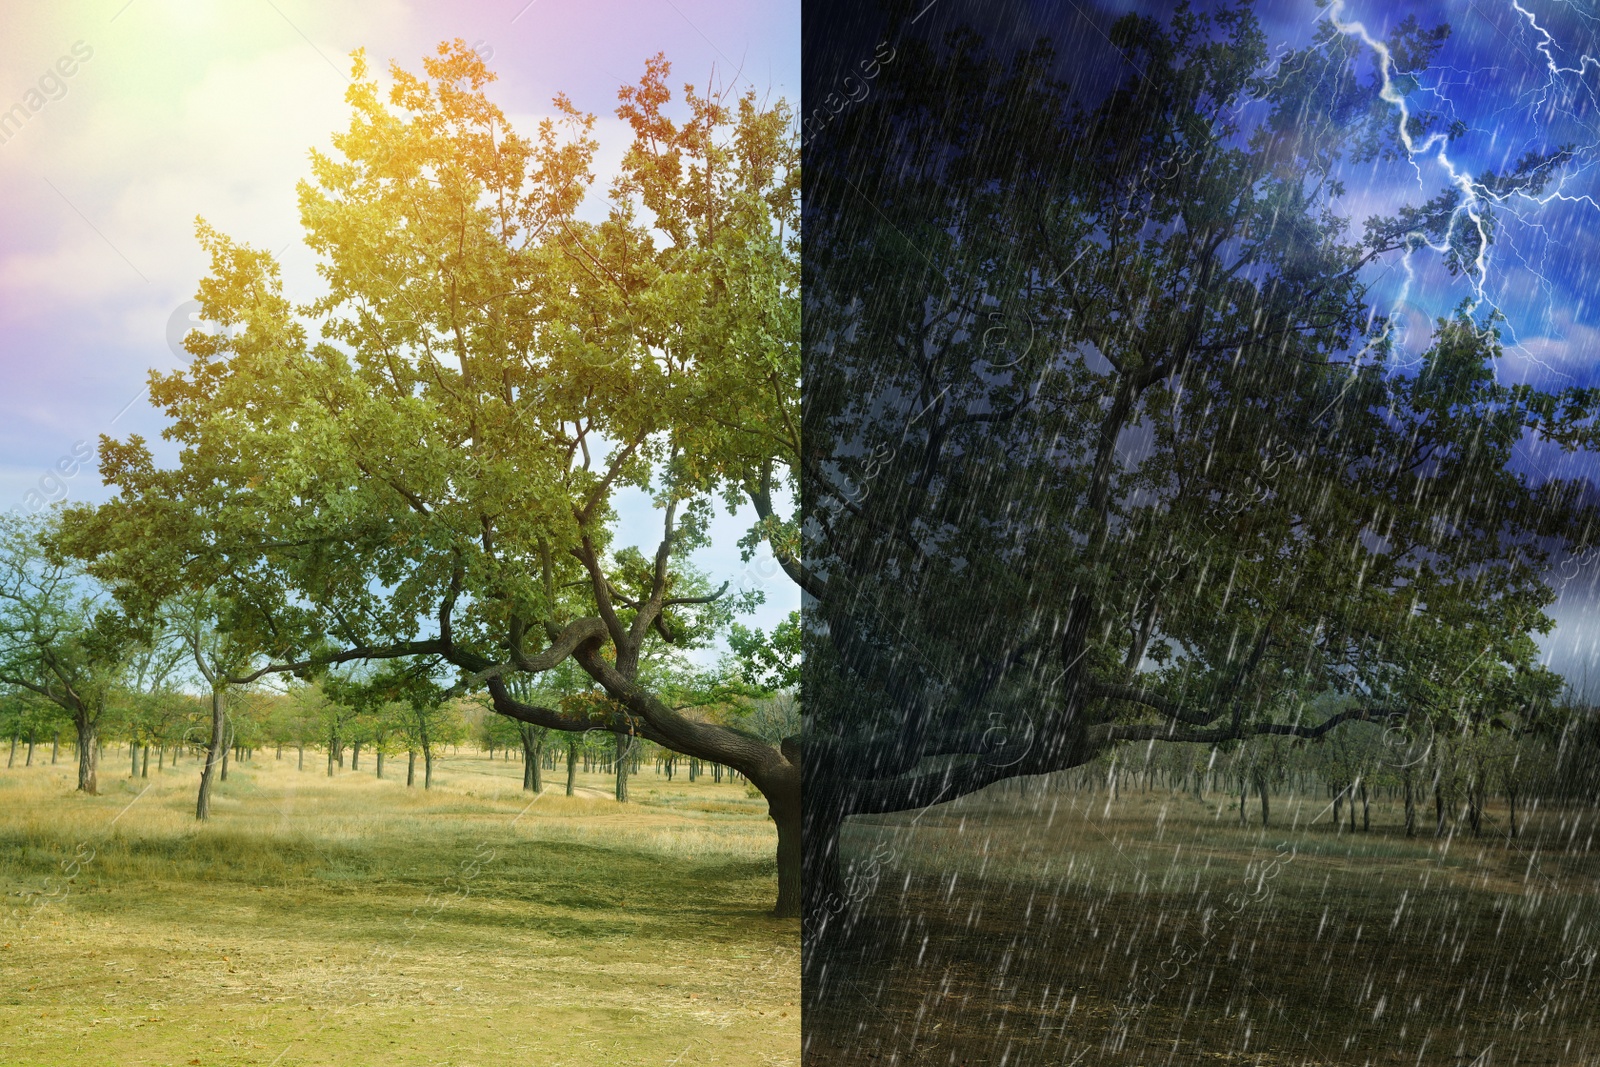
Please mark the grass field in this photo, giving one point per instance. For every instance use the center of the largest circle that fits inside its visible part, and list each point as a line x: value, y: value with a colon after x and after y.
x: 354, y: 921
x: 1062, y: 929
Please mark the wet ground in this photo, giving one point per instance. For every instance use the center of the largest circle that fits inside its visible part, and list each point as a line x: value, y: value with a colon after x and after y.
x: 1059, y: 929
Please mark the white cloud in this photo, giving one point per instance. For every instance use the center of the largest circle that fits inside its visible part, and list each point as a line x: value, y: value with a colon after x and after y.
x: 1571, y: 353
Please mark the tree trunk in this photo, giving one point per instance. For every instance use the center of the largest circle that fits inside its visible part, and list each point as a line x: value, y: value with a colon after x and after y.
x: 88, y: 755
x: 572, y: 768
x: 226, y: 751
x: 330, y: 758
x: 55, y: 747
x: 822, y: 882
x: 624, y: 749
x: 786, y: 813
x: 1261, y: 787
x: 427, y: 765
x: 411, y: 768
x: 302, y: 764
x: 531, y: 758
x: 214, y: 756
x: 1511, y: 801
x: 1411, y: 805
x: 144, y: 766
x: 11, y: 760
x: 380, y: 761
x: 1338, y: 809
x: 1438, y: 807
x: 355, y: 755
x: 1366, y: 814
x: 133, y: 749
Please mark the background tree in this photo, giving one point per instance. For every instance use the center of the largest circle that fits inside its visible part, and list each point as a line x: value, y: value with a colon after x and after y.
x: 350, y: 701
x: 59, y: 636
x: 154, y: 707
x: 494, y: 731
x: 201, y: 623
x: 26, y: 719
x: 298, y: 718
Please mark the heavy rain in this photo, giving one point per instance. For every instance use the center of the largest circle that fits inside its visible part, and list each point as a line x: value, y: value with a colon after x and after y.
x: 1201, y: 533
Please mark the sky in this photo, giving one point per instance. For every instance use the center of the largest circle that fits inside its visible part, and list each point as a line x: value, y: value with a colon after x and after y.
x: 120, y: 122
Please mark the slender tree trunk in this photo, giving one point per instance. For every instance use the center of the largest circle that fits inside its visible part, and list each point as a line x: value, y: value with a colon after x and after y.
x: 380, y: 761
x: 226, y: 751
x: 624, y: 749
x: 532, y: 757
x: 355, y: 755
x: 29, y: 761
x: 572, y: 768
x: 144, y: 765
x: 302, y: 764
x: 330, y: 758
x: 411, y: 768
x: 1366, y: 814
x: 55, y: 747
x: 133, y: 749
x: 1511, y: 801
x: 1411, y: 805
x: 11, y: 760
x: 1261, y: 787
x: 1438, y: 806
x: 88, y: 754
x: 215, y: 755
x: 427, y: 765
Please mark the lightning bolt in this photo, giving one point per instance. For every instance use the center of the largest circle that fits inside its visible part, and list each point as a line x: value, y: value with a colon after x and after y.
x: 1563, y: 83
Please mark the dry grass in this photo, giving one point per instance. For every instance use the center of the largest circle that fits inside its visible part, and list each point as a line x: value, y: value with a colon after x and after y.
x: 1058, y: 929
x: 353, y: 921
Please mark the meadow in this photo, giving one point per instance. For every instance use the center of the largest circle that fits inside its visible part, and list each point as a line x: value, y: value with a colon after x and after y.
x: 1023, y: 926
x: 347, y: 920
